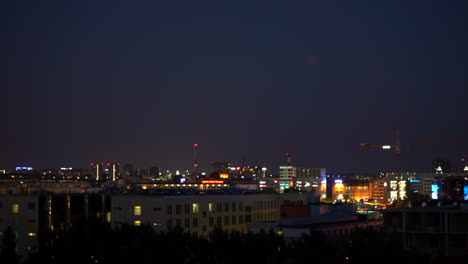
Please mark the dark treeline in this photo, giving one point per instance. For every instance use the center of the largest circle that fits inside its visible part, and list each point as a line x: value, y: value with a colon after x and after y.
x: 98, y: 243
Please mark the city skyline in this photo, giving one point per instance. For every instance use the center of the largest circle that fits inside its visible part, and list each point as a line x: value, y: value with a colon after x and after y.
x: 458, y: 165
x: 141, y: 83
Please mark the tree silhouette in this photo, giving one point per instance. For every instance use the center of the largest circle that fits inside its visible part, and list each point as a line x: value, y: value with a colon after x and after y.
x: 8, y: 253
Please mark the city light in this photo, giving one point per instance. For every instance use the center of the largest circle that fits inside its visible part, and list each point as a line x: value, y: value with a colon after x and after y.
x: 212, y: 182
x: 386, y: 147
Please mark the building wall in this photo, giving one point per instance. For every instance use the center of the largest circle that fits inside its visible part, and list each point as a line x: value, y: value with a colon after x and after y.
x: 195, y: 214
x: 21, y: 213
x: 436, y: 231
x: 357, y: 192
x: 379, y: 190
x: 294, y: 211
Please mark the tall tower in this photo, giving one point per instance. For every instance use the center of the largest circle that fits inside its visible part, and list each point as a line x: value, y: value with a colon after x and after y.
x: 397, y: 153
x: 195, y: 157
x: 288, y: 158
x: 287, y: 173
x: 97, y: 170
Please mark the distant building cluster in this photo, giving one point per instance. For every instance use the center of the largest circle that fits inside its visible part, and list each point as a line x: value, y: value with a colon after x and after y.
x: 236, y: 198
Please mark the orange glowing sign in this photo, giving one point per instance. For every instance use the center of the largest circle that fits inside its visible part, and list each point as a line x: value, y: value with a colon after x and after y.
x: 212, y: 182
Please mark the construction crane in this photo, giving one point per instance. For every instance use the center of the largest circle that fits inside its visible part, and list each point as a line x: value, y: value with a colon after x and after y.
x: 397, y: 147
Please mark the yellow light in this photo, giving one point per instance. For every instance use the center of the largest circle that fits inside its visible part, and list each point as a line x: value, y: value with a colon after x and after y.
x: 157, y: 223
x: 137, y: 223
x: 15, y: 208
x: 137, y: 210
x: 109, y: 217
x: 210, y: 207
x: 32, y: 234
x: 195, y: 208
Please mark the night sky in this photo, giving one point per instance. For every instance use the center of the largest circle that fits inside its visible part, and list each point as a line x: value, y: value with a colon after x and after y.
x: 142, y: 81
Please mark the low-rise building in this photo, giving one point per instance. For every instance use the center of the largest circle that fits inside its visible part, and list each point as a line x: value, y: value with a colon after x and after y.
x: 198, y: 214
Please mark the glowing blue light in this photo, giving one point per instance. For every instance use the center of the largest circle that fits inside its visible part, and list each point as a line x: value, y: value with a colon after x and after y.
x: 24, y: 168
x: 435, y: 191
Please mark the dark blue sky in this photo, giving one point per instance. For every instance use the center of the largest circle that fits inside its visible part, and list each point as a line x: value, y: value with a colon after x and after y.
x: 141, y: 81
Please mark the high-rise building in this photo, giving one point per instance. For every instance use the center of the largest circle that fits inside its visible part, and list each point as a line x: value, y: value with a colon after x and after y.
x: 287, y: 173
x: 105, y: 171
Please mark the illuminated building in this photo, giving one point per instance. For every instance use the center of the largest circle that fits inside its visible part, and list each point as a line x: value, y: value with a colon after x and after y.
x: 451, y: 187
x: 301, y: 178
x: 286, y: 176
x: 393, y: 190
x: 338, y: 191
x: 287, y: 173
x: 379, y: 190
x: 401, y: 190
x: 245, y: 172
x: 357, y: 190
x: 420, y: 185
x: 105, y: 171
x: 313, y: 173
x: 195, y: 214
x: 441, y: 166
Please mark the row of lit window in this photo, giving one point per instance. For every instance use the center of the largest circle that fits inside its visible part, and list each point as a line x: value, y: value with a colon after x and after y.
x: 15, y: 207
x: 31, y: 234
x: 220, y: 207
x: 195, y: 209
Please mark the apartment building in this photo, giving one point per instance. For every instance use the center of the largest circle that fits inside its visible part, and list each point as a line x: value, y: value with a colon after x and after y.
x: 198, y: 214
x: 21, y: 213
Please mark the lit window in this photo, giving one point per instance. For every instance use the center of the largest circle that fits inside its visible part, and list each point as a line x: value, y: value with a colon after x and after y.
x: 137, y: 210
x: 15, y: 208
x: 211, y: 207
x: 32, y: 234
x: 137, y: 223
x: 195, y: 208
x: 157, y: 223
x: 109, y: 217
